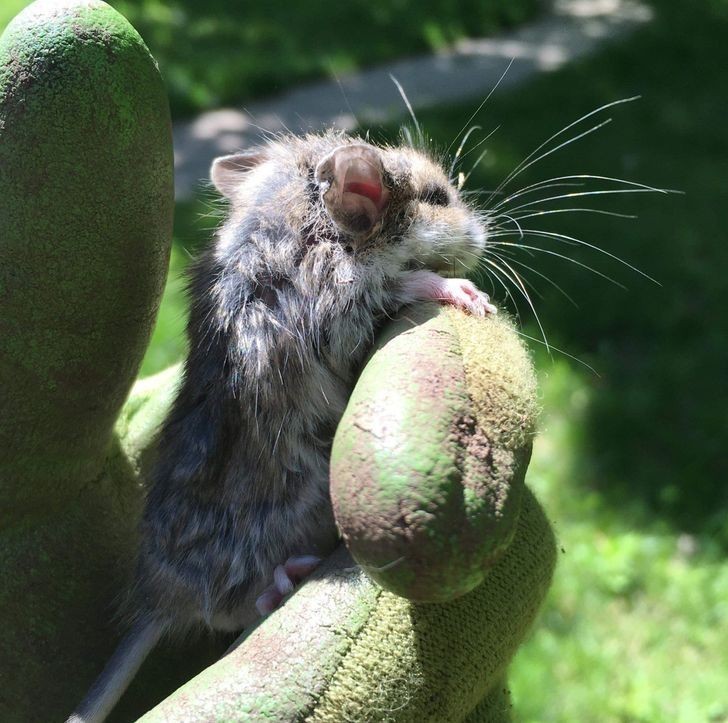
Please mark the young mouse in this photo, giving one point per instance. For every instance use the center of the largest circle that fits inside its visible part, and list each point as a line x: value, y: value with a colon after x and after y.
x: 327, y: 237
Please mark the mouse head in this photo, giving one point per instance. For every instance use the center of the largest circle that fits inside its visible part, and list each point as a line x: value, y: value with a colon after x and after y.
x: 443, y: 233
x: 393, y: 200
x: 399, y: 197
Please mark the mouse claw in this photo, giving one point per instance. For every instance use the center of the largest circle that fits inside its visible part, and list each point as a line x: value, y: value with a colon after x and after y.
x: 461, y: 293
x: 285, y: 577
x: 281, y: 581
x: 487, y: 306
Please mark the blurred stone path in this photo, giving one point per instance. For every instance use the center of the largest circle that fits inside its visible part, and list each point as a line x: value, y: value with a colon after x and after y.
x: 468, y: 70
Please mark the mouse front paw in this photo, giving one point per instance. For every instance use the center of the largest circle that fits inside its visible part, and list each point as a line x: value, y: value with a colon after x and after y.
x: 464, y: 294
x: 285, y: 577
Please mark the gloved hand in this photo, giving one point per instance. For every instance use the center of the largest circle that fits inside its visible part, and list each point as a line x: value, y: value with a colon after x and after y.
x: 85, y: 224
x: 427, y: 481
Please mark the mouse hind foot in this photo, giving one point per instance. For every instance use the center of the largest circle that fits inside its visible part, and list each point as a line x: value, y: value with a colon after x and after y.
x: 285, y: 577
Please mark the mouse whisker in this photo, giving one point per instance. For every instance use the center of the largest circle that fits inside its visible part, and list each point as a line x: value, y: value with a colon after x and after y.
x: 532, y: 189
x: 561, y: 351
x: 527, y: 161
x: 493, y: 272
x: 474, y: 192
x: 576, y: 194
x: 545, y: 154
x: 474, y: 166
x: 573, y: 239
x: 580, y: 178
x: 505, y: 258
x: 513, y: 220
x: 456, y: 157
x: 550, y: 252
x: 546, y: 278
x: 549, y: 212
x: 407, y: 103
x: 458, y: 160
x: 479, y: 108
x: 520, y: 286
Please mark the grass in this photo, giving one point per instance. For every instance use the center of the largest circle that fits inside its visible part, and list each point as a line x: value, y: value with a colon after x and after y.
x: 219, y: 53
x: 630, y: 464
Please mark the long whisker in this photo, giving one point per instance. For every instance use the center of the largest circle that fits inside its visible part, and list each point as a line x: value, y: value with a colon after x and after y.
x: 579, y: 194
x: 494, y: 270
x: 479, y: 143
x: 471, y: 130
x: 346, y: 98
x: 558, y: 255
x: 578, y: 177
x: 407, y: 135
x: 549, y: 212
x: 513, y: 276
x: 408, y: 104
x: 521, y: 165
x: 520, y: 169
x: 581, y: 242
x: 478, y: 109
x: 561, y: 351
x: 543, y: 185
x: 513, y: 220
x: 475, y: 165
x: 543, y: 276
x: 523, y: 278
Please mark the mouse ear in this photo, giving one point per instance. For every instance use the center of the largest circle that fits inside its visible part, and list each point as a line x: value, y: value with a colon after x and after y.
x: 226, y: 171
x: 351, y: 179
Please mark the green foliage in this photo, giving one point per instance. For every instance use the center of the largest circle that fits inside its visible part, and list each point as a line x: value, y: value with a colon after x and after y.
x: 219, y: 52
x: 636, y: 625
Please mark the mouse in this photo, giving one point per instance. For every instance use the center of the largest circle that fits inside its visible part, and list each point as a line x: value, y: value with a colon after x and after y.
x: 326, y: 237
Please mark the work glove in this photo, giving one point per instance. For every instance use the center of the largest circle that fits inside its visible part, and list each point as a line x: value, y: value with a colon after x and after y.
x: 449, y: 555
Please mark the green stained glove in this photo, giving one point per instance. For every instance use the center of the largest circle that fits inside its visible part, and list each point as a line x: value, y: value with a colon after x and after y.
x: 85, y: 225
x: 86, y: 204
x: 344, y: 649
x: 428, y: 463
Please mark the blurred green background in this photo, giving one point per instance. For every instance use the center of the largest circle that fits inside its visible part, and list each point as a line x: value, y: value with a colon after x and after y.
x: 220, y: 52
x: 630, y: 463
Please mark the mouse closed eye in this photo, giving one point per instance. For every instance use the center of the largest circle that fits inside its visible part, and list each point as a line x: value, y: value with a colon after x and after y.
x: 434, y: 194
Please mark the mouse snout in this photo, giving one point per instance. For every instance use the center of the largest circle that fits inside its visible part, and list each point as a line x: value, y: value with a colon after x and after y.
x: 478, y: 233
x: 450, y: 241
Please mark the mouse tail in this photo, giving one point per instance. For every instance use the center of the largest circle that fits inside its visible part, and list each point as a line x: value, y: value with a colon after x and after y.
x: 119, y: 672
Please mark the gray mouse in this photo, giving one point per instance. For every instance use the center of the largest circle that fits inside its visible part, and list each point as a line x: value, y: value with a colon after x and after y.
x: 327, y: 237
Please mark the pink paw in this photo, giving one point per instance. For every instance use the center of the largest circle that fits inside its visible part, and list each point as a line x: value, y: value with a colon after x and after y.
x: 429, y: 286
x: 285, y: 576
x: 465, y: 295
